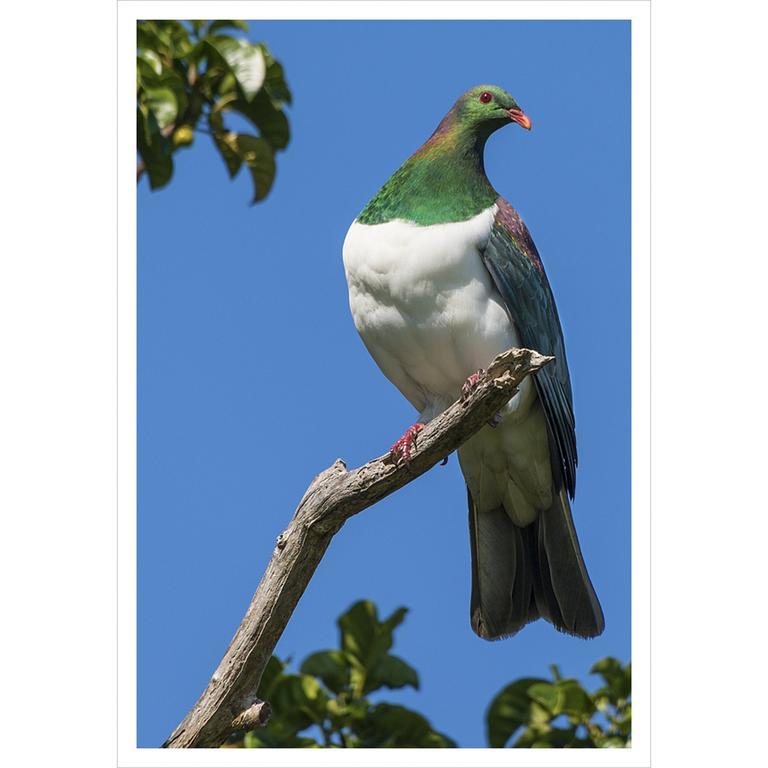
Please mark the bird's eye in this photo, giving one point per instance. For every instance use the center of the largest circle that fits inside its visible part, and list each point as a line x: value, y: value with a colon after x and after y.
x: 485, y: 97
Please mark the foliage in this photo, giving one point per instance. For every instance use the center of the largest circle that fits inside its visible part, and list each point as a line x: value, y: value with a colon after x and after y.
x: 561, y: 713
x: 196, y: 72
x: 326, y: 704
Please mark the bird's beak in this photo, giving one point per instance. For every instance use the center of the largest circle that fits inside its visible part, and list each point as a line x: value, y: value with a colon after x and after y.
x: 519, y: 117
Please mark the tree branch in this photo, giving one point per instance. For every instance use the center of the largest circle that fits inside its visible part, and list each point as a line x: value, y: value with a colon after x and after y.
x: 229, y: 702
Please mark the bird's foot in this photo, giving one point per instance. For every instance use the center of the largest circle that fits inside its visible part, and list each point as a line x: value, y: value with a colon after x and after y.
x: 496, y: 420
x: 470, y: 385
x: 401, y: 450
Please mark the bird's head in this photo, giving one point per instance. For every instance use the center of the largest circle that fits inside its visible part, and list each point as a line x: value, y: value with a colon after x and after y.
x: 486, y: 108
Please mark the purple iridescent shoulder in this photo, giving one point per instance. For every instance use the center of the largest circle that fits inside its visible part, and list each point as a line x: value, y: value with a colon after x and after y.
x: 508, y: 219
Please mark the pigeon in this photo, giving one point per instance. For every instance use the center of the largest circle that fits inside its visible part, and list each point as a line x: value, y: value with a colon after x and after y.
x: 443, y: 275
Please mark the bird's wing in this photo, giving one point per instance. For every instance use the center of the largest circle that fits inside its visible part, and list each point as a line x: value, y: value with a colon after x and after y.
x: 513, y: 261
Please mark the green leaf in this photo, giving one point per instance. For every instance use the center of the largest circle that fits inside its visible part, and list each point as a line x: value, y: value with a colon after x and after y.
x: 146, y: 125
x: 222, y: 24
x: 271, y: 738
x: 510, y: 710
x: 613, y: 742
x: 166, y: 95
x: 149, y: 38
x: 539, y: 716
x: 158, y: 167
x: 251, y: 740
x: 573, y: 700
x: 391, y: 672
x: 565, y: 697
x: 272, y: 673
x: 390, y: 725
x: 618, y: 678
x: 359, y: 629
x: 341, y: 708
x: 395, y: 620
x: 545, y: 694
x: 268, y: 118
x: 245, y: 61
x: 149, y: 62
x: 175, y: 36
x: 226, y: 89
x: 364, y: 637
x: 297, y: 702
x: 331, y: 667
x: 153, y: 147
x: 551, y: 738
x: 162, y: 103
x: 623, y: 722
x: 198, y: 51
x: 226, y: 143
x: 258, y: 156
x: 366, y: 640
x: 310, y: 687
x: 274, y: 80
x: 227, y: 146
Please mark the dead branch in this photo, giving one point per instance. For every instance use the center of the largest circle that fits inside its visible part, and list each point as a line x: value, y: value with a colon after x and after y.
x: 229, y: 702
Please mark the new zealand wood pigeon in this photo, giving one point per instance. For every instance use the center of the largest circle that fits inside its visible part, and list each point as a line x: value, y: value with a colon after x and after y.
x: 443, y: 275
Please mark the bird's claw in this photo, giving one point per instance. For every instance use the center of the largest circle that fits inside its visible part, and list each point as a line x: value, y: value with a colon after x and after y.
x: 401, y: 450
x: 470, y: 385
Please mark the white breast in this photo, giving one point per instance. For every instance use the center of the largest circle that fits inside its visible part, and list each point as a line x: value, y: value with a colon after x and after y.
x: 426, y: 306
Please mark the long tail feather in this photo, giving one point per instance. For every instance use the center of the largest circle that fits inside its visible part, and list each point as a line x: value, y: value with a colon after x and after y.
x: 522, y: 573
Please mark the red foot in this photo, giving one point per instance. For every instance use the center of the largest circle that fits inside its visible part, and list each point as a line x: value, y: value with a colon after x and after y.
x: 401, y: 450
x: 470, y: 385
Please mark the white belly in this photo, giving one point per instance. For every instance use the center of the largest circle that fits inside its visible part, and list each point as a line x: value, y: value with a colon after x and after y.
x: 426, y: 306
x: 430, y: 315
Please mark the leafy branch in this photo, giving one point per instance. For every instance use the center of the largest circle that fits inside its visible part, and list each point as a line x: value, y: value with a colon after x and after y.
x: 326, y: 704
x: 188, y: 74
x: 534, y: 712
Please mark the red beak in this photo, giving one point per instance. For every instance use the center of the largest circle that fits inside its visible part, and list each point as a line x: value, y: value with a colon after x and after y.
x: 519, y: 117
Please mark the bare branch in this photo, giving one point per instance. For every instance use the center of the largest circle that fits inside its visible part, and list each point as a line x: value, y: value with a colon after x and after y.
x: 228, y: 702
x: 255, y: 716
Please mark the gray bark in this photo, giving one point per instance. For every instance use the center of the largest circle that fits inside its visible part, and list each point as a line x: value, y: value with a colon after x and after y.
x: 229, y: 701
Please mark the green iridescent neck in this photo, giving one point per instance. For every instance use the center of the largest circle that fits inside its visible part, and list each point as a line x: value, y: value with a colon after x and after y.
x: 441, y: 182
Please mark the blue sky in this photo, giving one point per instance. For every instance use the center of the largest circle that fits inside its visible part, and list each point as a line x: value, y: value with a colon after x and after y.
x: 231, y: 432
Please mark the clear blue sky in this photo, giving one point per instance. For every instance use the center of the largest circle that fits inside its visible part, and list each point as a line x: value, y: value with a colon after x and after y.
x: 231, y: 433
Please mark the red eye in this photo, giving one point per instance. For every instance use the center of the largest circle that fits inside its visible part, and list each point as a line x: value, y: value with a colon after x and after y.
x: 485, y: 97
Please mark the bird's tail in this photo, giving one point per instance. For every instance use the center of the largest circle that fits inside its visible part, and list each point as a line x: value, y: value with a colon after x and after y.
x: 522, y: 573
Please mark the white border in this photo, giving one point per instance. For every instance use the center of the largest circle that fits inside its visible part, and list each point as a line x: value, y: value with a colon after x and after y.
x: 638, y: 11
